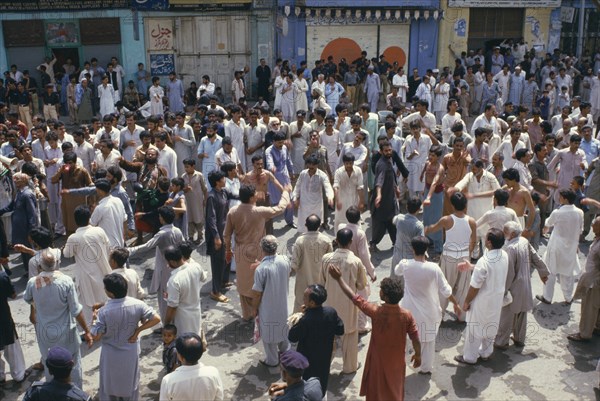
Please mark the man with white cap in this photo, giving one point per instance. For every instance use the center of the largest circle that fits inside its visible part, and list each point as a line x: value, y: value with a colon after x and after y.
x: 320, y: 101
x: 516, y: 85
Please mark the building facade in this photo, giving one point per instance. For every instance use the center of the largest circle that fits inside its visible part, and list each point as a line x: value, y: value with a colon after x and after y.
x: 544, y: 24
x: 405, y: 31
x: 191, y: 37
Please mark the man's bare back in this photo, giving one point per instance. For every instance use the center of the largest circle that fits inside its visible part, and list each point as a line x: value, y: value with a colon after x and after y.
x: 518, y: 200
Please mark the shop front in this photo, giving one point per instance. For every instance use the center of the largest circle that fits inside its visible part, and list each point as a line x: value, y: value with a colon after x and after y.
x: 475, y: 24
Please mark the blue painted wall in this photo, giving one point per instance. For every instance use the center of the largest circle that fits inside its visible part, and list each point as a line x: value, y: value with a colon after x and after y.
x: 132, y: 51
x: 423, y: 45
x: 290, y: 46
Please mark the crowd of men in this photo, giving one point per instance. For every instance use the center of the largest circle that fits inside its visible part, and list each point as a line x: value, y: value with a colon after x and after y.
x: 466, y: 209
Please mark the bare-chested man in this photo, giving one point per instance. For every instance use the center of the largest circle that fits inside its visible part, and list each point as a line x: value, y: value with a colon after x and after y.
x: 519, y: 200
x: 260, y: 178
x: 455, y: 164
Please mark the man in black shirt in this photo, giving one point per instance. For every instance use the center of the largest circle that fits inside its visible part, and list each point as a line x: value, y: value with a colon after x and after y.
x: 24, y: 105
x: 384, y: 204
x: 31, y: 87
x: 60, y: 363
x: 51, y: 101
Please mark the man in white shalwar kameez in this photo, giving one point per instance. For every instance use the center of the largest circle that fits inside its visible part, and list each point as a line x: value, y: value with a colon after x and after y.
x: 308, y: 192
x: 416, y: 151
x: 106, y: 93
x: 571, y: 162
x: 235, y: 129
x: 562, y: 256
x: 479, y: 186
x: 498, y: 216
x: 348, y: 188
x: 167, y: 157
x: 109, y: 214
x: 485, y: 299
x: 167, y: 235
x: 90, y: 247
x: 183, y: 291
x: 424, y: 284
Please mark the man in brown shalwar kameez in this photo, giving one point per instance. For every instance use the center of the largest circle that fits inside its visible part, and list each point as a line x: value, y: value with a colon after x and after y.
x: 247, y: 222
x: 72, y: 176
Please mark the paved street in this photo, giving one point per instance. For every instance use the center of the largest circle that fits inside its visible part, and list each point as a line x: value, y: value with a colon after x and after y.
x: 548, y: 368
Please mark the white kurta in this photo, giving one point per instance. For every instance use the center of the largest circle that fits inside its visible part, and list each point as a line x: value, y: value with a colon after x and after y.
x: 183, y: 293
x: 496, y: 218
x: 299, y: 145
x: 195, y: 382
x: 107, y: 99
x: 489, y: 275
x: 424, y: 285
x: 309, y: 192
x: 477, y: 207
x: 167, y: 158
x: 447, y: 122
x: 402, y: 83
x: 347, y: 189
x: 90, y: 247
x: 110, y: 215
x: 156, y: 94
x: 562, y: 251
x: 332, y: 143
x: 134, y: 285
x: 416, y: 164
x: 236, y: 133
x: 440, y: 100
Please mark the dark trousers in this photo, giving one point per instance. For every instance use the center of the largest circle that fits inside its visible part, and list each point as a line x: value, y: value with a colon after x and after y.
x: 219, y: 269
x: 379, y: 229
x: 25, y: 257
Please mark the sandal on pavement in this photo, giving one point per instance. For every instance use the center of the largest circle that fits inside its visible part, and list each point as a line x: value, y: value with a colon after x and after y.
x: 577, y: 337
x: 263, y: 362
x: 542, y: 299
x: 219, y: 298
x: 460, y: 359
x: 517, y: 343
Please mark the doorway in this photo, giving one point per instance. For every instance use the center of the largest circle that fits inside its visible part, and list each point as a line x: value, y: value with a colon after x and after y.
x: 490, y: 26
x: 64, y: 53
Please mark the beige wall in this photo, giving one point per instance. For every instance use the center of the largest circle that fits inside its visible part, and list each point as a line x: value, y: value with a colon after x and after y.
x: 448, y: 35
x: 538, y: 20
x: 535, y: 31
